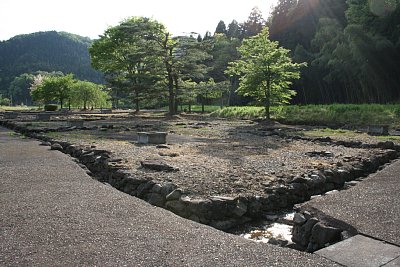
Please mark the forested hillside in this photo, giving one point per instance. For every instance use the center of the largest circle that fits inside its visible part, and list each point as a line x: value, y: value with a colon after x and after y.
x: 352, y: 48
x: 45, y: 51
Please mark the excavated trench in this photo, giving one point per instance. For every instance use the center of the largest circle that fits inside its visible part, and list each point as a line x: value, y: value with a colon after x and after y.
x: 268, y: 219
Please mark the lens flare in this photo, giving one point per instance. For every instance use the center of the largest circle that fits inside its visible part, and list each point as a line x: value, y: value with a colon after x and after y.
x: 382, y: 8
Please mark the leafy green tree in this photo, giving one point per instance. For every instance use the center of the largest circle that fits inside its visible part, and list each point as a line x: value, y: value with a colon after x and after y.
x: 265, y: 71
x: 4, y: 101
x: 188, y: 62
x: 86, y: 93
x: 19, y: 89
x: 254, y: 23
x: 210, y: 90
x: 223, y: 52
x: 53, y: 88
x: 221, y: 27
x: 189, y: 94
x: 129, y: 54
x: 233, y: 30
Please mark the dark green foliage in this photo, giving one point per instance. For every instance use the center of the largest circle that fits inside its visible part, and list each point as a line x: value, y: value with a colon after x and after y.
x: 50, y: 107
x: 266, y: 71
x: 351, y: 47
x: 45, y: 51
x: 254, y: 24
x: 233, y: 30
x: 19, y: 89
x: 221, y: 27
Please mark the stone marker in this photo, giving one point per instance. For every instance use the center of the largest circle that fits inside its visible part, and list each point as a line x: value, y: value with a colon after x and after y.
x: 157, y: 165
x: 378, y: 130
x: 75, y: 123
x: 43, y: 116
x: 375, y: 129
x: 106, y: 111
x: 152, y: 137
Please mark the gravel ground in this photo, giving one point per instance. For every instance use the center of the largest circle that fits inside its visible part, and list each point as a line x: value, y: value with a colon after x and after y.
x: 214, y: 157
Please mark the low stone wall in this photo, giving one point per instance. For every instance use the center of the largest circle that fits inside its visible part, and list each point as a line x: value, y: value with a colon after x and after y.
x: 218, y: 211
x: 313, y: 231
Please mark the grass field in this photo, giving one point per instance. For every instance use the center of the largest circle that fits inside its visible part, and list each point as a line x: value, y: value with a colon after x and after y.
x: 335, y: 115
x: 17, y: 108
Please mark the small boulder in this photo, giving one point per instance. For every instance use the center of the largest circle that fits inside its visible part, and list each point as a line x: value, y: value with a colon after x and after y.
x: 299, y: 219
x: 322, y: 234
x: 45, y: 143
x: 157, y: 165
x: 56, y: 146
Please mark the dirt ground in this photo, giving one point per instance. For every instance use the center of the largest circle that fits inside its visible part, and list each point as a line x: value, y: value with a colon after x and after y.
x: 214, y: 156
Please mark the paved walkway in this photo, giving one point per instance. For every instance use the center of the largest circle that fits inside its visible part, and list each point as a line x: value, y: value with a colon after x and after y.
x: 53, y: 214
x: 373, y: 208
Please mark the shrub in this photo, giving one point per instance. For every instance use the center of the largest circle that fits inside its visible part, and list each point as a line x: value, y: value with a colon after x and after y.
x: 4, y: 101
x: 50, y: 107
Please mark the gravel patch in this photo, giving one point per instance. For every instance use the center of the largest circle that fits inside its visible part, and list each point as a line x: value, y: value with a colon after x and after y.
x: 216, y: 157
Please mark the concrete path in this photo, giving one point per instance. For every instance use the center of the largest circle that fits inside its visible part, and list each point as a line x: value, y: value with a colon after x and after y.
x: 372, y: 207
x: 53, y: 214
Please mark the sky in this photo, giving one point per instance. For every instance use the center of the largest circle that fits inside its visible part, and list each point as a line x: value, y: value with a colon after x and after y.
x: 91, y: 18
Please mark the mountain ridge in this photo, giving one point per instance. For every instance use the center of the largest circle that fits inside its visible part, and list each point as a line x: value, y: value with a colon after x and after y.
x: 46, y: 51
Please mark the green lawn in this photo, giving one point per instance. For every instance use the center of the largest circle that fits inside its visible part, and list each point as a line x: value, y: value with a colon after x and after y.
x: 335, y: 115
x: 18, y: 108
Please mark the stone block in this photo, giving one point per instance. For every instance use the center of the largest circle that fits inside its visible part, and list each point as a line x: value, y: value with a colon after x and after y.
x: 322, y: 234
x: 360, y: 250
x: 75, y: 123
x: 156, y: 199
x: 106, y: 111
x: 152, y: 137
x: 43, y: 116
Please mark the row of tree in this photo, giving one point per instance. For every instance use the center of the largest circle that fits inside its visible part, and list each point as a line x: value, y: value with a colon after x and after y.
x: 65, y: 90
x: 141, y: 60
x: 140, y: 57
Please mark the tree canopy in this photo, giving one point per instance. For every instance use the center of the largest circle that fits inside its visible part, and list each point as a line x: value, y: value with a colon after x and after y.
x: 61, y: 89
x: 266, y: 71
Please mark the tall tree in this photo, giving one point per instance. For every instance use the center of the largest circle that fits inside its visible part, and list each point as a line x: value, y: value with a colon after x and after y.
x: 127, y: 53
x: 265, y: 71
x: 254, y: 24
x: 19, y: 89
x: 54, y: 88
x: 221, y: 28
x: 233, y: 30
x: 86, y: 93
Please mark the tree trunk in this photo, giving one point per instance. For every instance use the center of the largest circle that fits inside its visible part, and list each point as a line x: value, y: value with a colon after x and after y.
x: 268, y: 100
x: 137, y: 101
x: 176, y: 85
x: 171, y: 98
x: 169, y: 69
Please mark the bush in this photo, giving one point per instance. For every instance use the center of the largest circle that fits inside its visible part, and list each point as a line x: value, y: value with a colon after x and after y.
x: 240, y: 112
x: 50, y: 107
x: 4, y: 101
